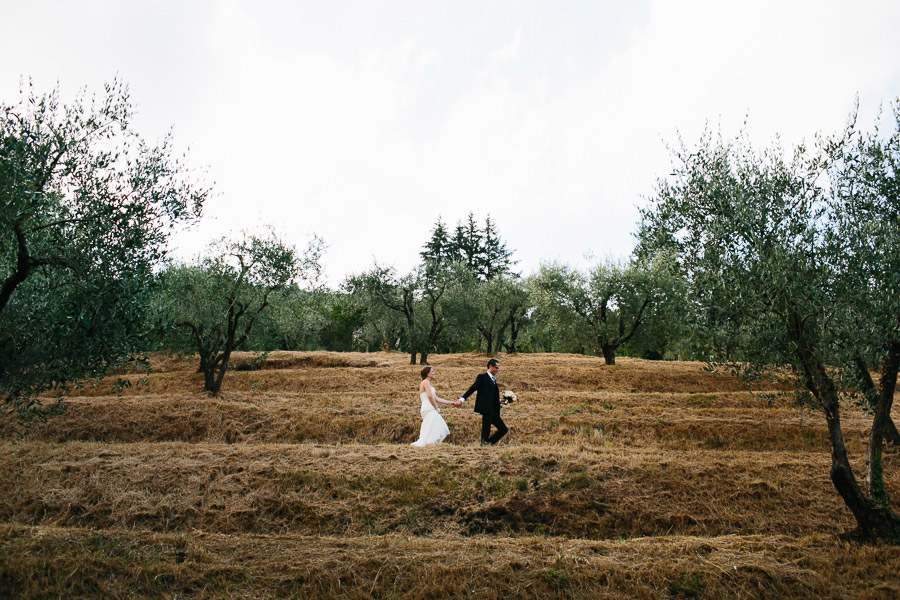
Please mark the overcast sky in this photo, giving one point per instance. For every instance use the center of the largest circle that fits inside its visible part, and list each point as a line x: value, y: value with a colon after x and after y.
x: 365, y: 121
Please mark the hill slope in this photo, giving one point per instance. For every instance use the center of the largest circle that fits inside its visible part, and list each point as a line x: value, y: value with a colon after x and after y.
x: 644, y: 479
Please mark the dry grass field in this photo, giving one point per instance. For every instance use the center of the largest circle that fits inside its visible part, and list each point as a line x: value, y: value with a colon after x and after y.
x: 640, y: 480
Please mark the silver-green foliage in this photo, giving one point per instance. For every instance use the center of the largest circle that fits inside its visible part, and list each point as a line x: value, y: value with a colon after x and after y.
x: 86, y: 208
x: 601, y: 309
x: 794, y: 261
x: 212, y: 306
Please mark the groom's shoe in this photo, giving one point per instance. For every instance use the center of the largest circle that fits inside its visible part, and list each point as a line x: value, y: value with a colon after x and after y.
x: 498, y: 435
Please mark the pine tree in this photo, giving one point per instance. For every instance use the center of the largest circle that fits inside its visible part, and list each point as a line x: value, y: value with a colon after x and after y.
x: 480, y: 249
x: 495, y: 258
x: 467, y: 242
x: 439, y: 249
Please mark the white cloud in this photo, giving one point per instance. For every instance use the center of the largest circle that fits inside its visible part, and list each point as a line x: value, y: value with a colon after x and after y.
x: 510, y: 51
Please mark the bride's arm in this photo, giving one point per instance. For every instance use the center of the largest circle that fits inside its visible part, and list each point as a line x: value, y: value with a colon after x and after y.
x: 431, y: 394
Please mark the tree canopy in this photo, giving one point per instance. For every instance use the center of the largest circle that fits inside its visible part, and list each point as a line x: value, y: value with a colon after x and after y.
x: 86, y: 208
x: 609, y: 303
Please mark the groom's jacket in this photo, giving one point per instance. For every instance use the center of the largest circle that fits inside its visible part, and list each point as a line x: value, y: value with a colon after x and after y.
x: 487, y: 395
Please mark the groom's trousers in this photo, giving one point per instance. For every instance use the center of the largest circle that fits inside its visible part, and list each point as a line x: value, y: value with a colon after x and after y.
x: 496, y: 421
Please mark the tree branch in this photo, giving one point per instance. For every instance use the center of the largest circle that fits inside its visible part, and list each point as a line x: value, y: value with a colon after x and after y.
x: 23, y: 267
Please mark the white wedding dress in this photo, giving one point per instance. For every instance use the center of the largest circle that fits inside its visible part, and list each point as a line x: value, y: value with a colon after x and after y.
x: 434, y: 428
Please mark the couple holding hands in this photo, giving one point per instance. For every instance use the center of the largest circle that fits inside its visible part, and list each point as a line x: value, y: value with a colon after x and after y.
x: 487, y: 403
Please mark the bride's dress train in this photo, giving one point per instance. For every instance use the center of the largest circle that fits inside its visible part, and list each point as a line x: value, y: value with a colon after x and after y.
x: 434, y: 428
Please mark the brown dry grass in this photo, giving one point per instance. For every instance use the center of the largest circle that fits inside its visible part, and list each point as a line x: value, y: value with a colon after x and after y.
x: 646, y: 479
x: 74, y: 563
x: 357, y: 490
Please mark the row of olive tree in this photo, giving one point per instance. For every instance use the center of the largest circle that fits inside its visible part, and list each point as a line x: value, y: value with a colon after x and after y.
x: 796, y: 261
x: 245, y: 295
x: 87, y: 210
x: 452, y: 303
x: 443, y: 309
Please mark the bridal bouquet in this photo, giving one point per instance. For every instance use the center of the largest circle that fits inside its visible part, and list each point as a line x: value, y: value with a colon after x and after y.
x: 508, y: 397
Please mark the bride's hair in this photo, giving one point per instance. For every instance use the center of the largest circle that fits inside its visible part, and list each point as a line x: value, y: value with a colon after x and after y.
x: 425, y: 372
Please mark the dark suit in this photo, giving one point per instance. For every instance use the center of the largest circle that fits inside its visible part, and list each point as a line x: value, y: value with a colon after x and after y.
x: 487, y: 403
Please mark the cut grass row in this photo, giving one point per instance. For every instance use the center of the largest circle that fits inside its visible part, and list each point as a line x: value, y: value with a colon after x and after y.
x: 612, y: 419
x: 52, y: 562
x: 540, y: 374
x: 332, y: 398
x: 448, y: 490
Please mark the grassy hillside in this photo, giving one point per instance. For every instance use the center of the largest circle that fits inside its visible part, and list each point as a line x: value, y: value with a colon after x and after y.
x: 645, y: 479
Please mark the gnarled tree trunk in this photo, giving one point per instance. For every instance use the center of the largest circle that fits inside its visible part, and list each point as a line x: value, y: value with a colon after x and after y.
x: 609, y: 353
x: 874, y: 520
x: 871, y: 393
x: 887, y: 383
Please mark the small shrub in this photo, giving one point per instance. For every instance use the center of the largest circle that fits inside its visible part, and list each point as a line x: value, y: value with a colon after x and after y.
x: 557, y: 578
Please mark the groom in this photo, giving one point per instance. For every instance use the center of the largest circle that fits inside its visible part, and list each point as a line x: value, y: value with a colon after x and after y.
x: 487, y: 402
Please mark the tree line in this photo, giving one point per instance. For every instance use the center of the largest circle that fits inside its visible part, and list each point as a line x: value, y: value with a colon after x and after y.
x: 457, y: 299
x: 752, y: 260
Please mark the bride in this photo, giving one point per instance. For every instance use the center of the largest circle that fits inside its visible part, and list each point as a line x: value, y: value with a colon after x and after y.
x: 434, y: 428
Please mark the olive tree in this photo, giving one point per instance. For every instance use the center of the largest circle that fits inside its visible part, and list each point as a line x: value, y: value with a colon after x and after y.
x: 294, y: 321
x: 863, y: 250
x: 499, y: 303
x: 437, y: 283
x: 757, y: 235
x: 212, y: 306
x: 86, y: 208
x: 609, y: 302
x: 382, y: 288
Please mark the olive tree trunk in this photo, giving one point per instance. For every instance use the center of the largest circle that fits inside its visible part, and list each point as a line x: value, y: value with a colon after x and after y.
x: 874, y: 520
